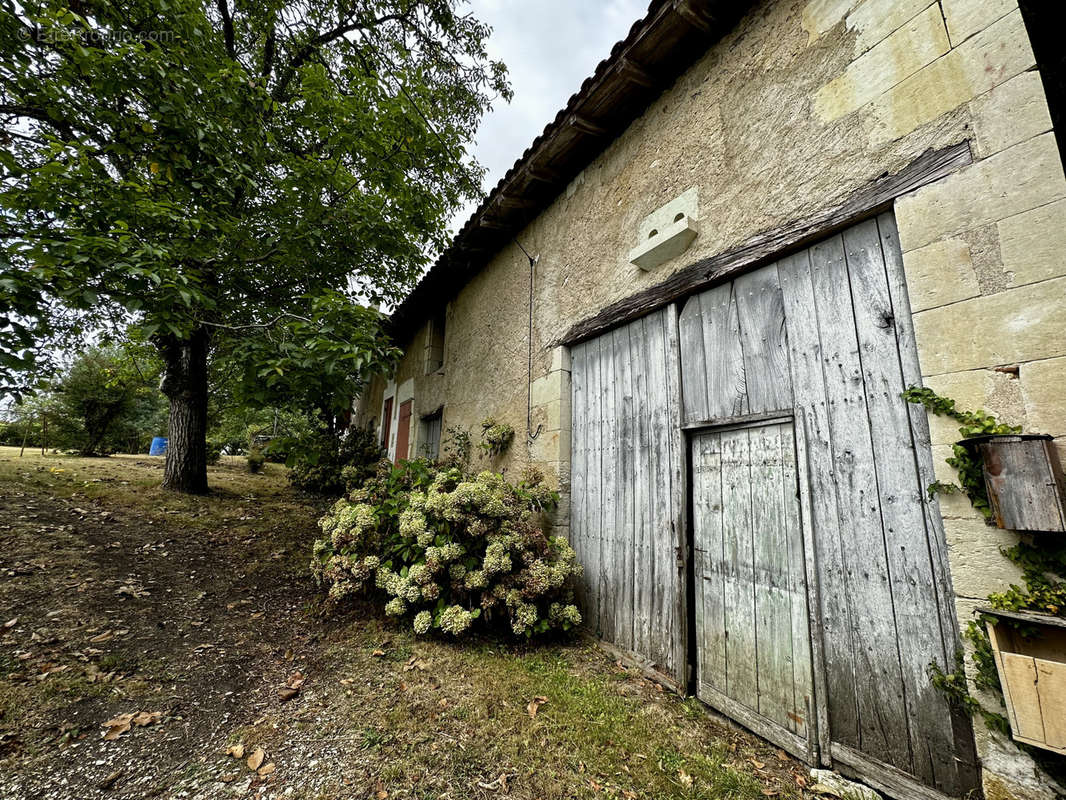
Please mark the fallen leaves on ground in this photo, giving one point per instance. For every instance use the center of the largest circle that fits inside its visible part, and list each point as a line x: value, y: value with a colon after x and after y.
x: 255, y: 760
x: 535, y: 704
x: 109, y: 781
x: 291, y: 687
x: 123, y: 722
x: 500, y: 784
x: 235, y: 750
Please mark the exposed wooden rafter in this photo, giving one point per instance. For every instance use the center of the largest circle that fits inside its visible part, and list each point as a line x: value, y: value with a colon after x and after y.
x: 541, y: 174
x: 586, y: 125
x: 635, y: 73
x: 696, y: 14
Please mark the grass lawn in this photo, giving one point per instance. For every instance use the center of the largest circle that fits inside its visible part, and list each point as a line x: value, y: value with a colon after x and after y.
x: 127, y: 599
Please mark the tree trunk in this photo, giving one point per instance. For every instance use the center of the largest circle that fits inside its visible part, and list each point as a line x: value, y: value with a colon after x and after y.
x: 185, y: 385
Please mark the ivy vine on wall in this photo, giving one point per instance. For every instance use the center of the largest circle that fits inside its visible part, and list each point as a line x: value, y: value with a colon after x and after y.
x: 973, y: 423
x: 496, y: 437
x: 1043, y: 567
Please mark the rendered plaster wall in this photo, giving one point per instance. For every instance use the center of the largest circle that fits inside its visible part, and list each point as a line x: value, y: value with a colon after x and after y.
x: 803, y: 104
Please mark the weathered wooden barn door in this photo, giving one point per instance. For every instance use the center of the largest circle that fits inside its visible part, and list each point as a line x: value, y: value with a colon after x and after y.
x: 822, y: 338
x: 627, y: 490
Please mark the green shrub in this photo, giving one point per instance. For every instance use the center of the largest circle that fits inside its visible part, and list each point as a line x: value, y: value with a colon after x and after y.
x: 214, y: 451
x: 457, y: 447
x: 449, y: 550
x: 329, y: 465
x: 495, y: 437
x: 256, y: 460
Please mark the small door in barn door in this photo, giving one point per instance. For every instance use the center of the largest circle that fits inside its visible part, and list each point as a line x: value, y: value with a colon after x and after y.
x: 753, y: 657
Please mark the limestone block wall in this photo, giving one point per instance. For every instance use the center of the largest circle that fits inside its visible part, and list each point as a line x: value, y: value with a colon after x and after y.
x: 804, y: 103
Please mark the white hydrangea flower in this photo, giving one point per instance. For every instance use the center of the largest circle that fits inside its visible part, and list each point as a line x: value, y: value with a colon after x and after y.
x: 422, y: 622
x: 455, y: 620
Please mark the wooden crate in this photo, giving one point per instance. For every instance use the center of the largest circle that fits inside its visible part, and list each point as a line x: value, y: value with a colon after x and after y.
x: 1032, y: 671
x: 1024, y: 481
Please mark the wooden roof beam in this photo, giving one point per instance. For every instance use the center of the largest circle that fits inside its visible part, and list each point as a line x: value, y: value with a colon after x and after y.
x: 492, y: 224
x: 513, y: 201
x: 542, y: 174
x: 586, y: 125
x: 695, y: 15
x: 635, y: 73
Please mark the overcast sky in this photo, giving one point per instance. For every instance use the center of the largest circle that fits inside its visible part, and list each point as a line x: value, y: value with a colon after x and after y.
x: 550, y: 47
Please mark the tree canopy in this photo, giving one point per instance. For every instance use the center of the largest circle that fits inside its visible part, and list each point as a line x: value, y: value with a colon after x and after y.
x: 215, y: 170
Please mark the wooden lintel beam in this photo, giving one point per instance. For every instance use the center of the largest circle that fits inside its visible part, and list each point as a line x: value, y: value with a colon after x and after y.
x: 876, y: 196
x: 586, y: 125
x: 635, y: 73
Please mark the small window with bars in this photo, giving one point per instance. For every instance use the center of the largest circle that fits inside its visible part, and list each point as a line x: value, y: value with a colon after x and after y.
x: 429, y: 435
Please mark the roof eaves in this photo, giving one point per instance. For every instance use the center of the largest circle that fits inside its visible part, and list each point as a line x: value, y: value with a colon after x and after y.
x: 657, y: 50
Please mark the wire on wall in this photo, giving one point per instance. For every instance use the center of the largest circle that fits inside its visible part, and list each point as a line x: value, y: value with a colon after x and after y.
x: 531, y: 435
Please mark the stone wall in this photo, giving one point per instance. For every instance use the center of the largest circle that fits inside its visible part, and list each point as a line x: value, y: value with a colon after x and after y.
x: 800, y: 106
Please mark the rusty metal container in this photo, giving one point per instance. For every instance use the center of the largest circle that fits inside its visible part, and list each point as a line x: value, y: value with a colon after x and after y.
x: 1023, y: 479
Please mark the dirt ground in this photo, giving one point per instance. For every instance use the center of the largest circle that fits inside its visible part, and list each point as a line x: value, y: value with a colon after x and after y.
x: 196, y: 618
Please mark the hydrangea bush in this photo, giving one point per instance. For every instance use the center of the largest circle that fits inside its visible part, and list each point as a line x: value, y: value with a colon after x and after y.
x: 448, y: 550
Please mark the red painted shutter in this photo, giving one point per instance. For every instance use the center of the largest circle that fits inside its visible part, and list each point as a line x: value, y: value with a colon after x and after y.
x: 403, y: 430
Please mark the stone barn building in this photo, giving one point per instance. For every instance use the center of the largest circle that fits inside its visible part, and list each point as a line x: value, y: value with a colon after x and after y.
x: 697, y: 298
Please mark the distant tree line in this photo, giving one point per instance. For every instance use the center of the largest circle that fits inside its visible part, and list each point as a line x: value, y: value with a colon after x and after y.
x: 106, y: 401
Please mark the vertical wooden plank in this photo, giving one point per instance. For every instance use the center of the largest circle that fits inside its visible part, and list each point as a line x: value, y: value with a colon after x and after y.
x: 663, y: 625
x: 999, y: 646
x: 919, y: 423
x: 761, y: 315
x: 741, y: 656
x: 811, y: 690
x: 1051, y: 689
x: 882, y: 712
x: 723, y: 364
x: 653, y: 487
x: 678, y: 494
x: 826, y: 569
x: 964, y: 750
x: 645, y: 576
x: 910, y: 571
x: 795, y: 586
x: 709, y: 557
x: 578, y: 466
x: 1019, y: 671
x: 773, y: 619
x: 595, y: 485
x: 693, y: 362
x: 624, y: 532
x: 608, y: 586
